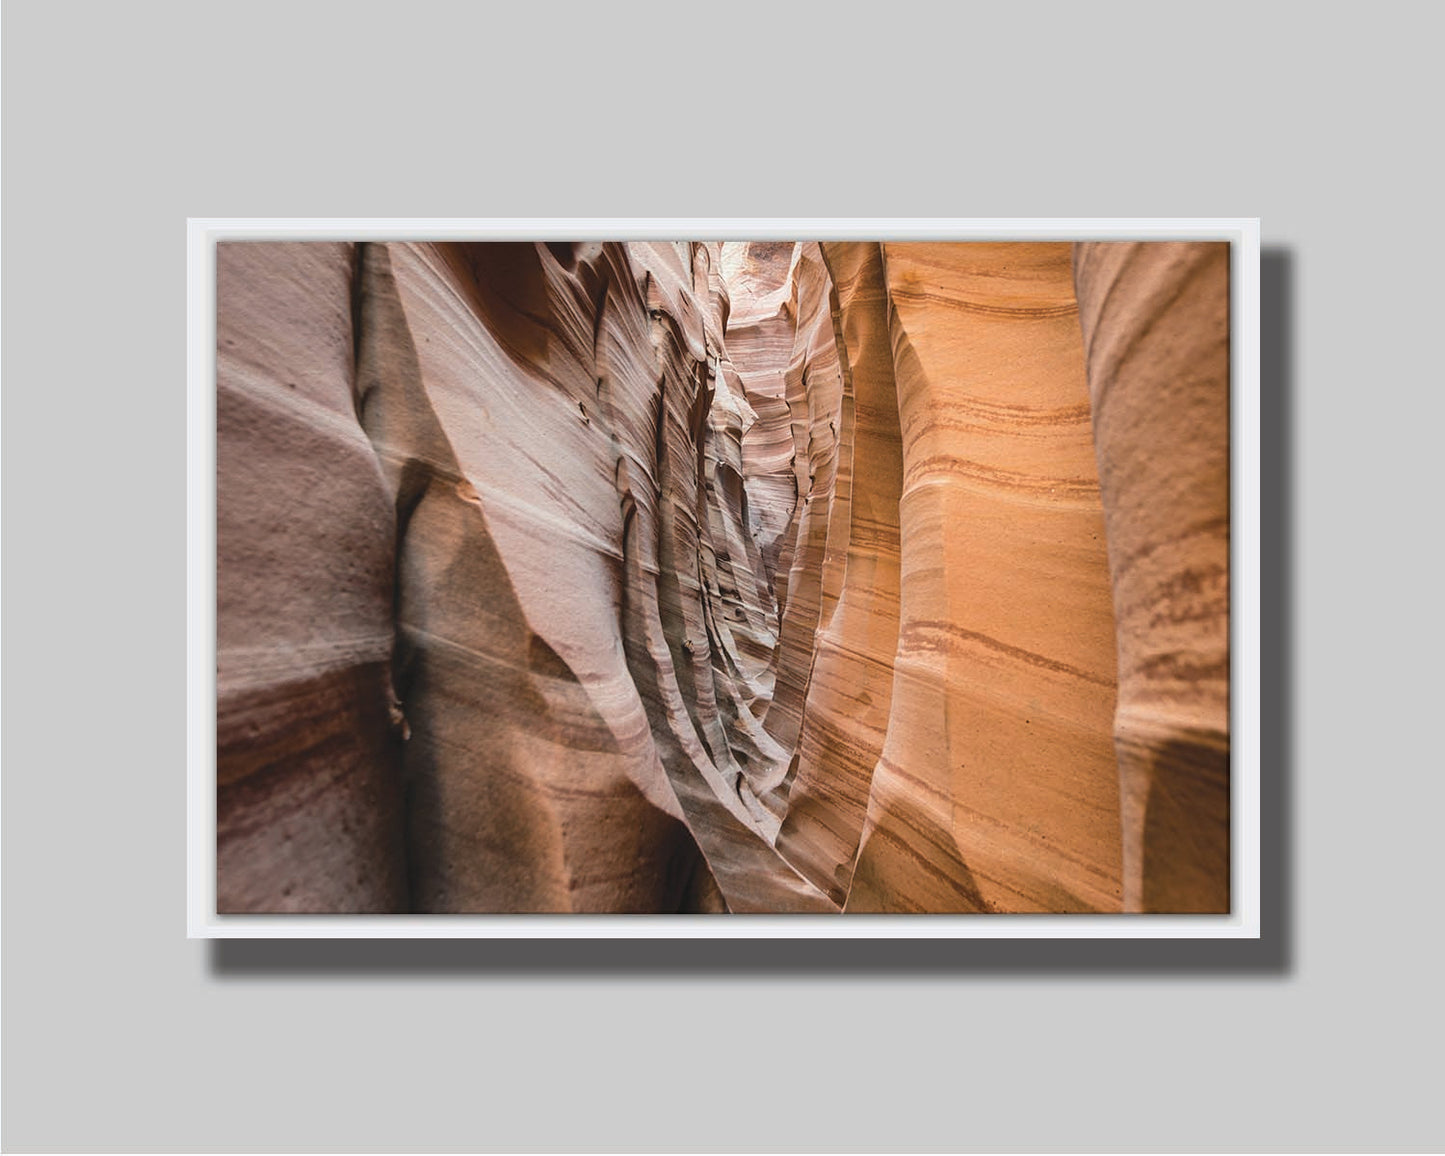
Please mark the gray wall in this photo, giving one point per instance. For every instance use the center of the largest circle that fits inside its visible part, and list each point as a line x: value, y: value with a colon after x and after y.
x: 122, y: 119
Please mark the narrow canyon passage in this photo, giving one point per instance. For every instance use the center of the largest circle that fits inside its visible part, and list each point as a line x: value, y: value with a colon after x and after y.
x: 722, y: 577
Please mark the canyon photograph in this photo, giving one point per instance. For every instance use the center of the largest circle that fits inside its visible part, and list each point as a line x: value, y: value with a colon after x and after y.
x: 722, y: 577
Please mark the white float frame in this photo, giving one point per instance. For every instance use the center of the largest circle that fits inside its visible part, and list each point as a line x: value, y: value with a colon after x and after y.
x: 1244, y: 279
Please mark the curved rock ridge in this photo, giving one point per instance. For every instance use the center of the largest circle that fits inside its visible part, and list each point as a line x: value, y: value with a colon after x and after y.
x: 710, y: 576
x: 851, y: 687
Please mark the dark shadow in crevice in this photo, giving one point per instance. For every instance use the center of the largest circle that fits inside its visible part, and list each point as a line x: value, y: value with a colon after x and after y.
x: 1272, y: 955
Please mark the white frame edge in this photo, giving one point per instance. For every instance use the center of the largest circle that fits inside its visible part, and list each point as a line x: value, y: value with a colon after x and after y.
x: 1245, y: 769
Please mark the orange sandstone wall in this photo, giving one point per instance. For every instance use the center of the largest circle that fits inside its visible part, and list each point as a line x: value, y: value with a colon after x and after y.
x: 996, y: 788
x: 851, y: 688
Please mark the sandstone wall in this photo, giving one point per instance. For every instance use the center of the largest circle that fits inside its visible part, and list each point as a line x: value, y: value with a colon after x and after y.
x: 699, y: 576
x: 1156, y: 329
x: 309, y: 805
x: 996, y: 787
x: 851, y: 688
x: 562, y: 598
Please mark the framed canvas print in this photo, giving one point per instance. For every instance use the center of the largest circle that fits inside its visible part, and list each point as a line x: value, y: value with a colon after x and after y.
x: 719, y: 578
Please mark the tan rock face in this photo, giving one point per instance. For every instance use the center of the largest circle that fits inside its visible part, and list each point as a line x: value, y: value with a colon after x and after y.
x: 1156, y: 330
x: 851, y: 689
x: 689, y: 576
x: 997, y: 759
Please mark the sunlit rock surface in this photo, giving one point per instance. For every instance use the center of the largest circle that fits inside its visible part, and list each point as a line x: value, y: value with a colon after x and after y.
x: 996, y: 788
x: 705, y: 577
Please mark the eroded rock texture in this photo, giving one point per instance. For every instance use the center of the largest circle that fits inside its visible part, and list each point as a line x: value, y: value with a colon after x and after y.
x: 851, y: 688
x: 699, y: 576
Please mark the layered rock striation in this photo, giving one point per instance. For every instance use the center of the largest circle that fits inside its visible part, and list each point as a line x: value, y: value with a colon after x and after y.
x: 705, y: 577
x: 997, y: 761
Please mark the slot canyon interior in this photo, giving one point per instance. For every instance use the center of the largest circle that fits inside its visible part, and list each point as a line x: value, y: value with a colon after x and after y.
x: 722, y: 577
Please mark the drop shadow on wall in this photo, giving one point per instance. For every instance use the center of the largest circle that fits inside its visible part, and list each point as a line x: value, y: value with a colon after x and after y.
x: 1272, y: 954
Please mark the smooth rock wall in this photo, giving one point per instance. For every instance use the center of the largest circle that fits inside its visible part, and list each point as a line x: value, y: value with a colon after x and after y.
x: 996, y: 789
x: 1156, y: 329
x: 309, y: 810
